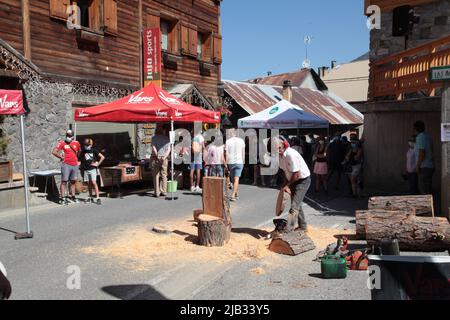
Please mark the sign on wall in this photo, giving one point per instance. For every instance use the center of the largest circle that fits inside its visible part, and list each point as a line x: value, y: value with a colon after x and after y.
x: 152, y: 56
x: 440, y: 74
x: 11, y: 102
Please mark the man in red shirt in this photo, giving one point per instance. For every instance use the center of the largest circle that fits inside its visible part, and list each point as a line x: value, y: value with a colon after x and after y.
x: 70, y: 165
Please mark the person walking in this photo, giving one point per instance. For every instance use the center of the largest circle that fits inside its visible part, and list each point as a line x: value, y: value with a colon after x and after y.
x: 91, y: 159
x: 160, y: 161
x: 336, y: 155
x: 297, y: 182
x: 216, y: 155
x: 235, y: 155
x: 321, y: 165
x: 425, y: 159
x: 353, y: 162
x: 70, y: 149
x: 411, y: 165
x: 196, y: 167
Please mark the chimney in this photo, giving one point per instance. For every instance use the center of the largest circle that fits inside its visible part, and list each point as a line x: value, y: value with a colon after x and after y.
x: 333, y: 64
x: 287, y: 90
x: 323, y: 71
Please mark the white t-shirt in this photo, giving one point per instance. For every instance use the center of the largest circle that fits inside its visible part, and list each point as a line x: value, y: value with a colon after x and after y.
x: 215, y: 154
x: 235, y: 150
x: 292, y: 162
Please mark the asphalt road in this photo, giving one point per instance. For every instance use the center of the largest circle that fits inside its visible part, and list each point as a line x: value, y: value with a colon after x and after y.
x: 38, y: 268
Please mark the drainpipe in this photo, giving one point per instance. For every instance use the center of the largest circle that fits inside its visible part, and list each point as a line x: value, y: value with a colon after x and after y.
x: 26, y: 29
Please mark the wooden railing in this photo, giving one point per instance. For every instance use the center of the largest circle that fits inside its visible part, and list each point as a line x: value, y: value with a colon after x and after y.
x: 409, y: 71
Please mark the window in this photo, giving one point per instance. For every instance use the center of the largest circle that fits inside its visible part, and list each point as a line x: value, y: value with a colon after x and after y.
x: 169, y: 32
x: 94, y: 15
x: 165, y: 34
x: 204, y: 46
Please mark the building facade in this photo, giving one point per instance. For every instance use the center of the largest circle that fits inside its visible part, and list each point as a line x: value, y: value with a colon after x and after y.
x: 69, y: 53
x: 412, y: 38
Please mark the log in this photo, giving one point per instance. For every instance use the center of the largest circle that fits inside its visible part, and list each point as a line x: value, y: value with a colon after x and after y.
x: 420, y: 234
x: 423, y: 204
x: 212, y: 231
x: 292, y: 243
x: 362, y: 215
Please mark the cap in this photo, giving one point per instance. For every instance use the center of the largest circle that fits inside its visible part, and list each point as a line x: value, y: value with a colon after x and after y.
x: 69, y: 133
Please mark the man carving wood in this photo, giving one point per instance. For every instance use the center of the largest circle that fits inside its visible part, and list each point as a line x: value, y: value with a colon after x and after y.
x: 297, y: 182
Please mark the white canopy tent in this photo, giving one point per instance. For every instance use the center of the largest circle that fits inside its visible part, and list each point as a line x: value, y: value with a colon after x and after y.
x: 283, y: 115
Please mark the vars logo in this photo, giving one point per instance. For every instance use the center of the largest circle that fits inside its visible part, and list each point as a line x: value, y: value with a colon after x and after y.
x: 8, y: 105
x: 169, y: 100
x: 82, y: 114
x: 161, y: 114
x: 140, y: 99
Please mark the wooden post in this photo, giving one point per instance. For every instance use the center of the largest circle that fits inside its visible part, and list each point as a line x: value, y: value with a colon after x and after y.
x: 141, y: 56
x: 26, y: 29
x: 445, y: 178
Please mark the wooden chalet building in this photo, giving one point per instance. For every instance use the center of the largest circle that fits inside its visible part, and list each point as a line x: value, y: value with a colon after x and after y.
x: 414, y: 36
x: 70, y: 53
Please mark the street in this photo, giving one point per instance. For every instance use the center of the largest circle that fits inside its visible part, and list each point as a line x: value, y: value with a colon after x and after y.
x: 117, y: 256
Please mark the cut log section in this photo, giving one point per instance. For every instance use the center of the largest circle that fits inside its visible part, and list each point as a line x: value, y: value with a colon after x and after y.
x: 361, y: 218
x: 292, y: 243
x: 414, y: 233
x: 212, y: 231
x: 423, y: 204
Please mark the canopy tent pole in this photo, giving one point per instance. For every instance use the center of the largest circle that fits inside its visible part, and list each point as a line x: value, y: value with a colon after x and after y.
x: 172, y: 167
x: 28, y: 234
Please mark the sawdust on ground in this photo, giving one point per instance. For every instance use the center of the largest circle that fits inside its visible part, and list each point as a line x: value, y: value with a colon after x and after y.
x: 137, y: 248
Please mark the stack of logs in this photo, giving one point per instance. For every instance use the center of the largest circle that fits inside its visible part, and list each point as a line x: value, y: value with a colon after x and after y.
x: 214, y: 221
x: 409, y: 219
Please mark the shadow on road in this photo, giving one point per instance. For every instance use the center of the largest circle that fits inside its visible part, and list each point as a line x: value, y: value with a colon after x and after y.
x: 255, y: 233
x: 134, y: 292
x: 7, y: 230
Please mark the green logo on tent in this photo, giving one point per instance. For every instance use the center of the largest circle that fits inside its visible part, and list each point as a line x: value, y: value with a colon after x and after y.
x: 274, y: 110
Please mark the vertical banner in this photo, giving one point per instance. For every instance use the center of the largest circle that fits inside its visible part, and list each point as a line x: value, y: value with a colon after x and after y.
x: 11, y: 102
x: 152, y: 57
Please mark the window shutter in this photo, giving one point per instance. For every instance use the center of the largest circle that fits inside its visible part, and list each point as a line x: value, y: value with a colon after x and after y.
x: 94, y: 15
x: 153, y: 21
x: 207, y: 48
x: 217, y: 51
x: 58, y: 9
x: 193, y: 41
x: 174, y: 38
x: 184, y: 39
x: 110, y: 17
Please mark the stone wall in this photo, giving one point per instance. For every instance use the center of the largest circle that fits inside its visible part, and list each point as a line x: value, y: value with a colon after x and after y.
x: 434, y: 24
x: 51, y: 112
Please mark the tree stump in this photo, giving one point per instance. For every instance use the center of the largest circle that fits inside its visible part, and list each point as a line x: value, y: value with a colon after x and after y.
x: 212, y: 231
x: 423, y: 204
x: 421, y: 234
x: 361, y: 218
x: 292, y: 243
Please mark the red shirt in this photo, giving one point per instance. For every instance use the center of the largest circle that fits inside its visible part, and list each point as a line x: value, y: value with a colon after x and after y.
x: 70, y: 152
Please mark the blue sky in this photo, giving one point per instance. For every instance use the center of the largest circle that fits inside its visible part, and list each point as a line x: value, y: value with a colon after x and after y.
x: 261, y: 36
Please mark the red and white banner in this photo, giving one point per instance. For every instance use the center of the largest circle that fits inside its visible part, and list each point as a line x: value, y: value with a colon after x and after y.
x: 11, y: 102
x: 152, y: 56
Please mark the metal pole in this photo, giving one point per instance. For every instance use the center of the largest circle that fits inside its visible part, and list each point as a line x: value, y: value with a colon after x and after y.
x: 28, y: 234
x: 172, y: 157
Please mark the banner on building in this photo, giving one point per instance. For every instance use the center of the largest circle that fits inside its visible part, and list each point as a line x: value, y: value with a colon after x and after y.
x: 11, y: 102
x: 152, y: 57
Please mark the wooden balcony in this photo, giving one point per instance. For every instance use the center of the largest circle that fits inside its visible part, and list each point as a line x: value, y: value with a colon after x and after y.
x: 408, y: 72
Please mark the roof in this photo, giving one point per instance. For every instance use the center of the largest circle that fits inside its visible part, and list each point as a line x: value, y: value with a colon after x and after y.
x: 254, y: 98
x: 182, y: 90
x: 297, y: 78
x: 350, y: 81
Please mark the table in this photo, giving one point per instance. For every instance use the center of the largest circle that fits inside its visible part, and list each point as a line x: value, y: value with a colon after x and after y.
x: 47, y: 174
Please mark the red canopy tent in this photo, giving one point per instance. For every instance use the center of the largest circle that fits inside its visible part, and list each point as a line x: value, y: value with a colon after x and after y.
x: 11, y: 103
x: 150, y: 104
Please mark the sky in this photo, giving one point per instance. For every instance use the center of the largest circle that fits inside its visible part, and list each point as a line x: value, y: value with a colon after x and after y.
x: 263, y: 35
